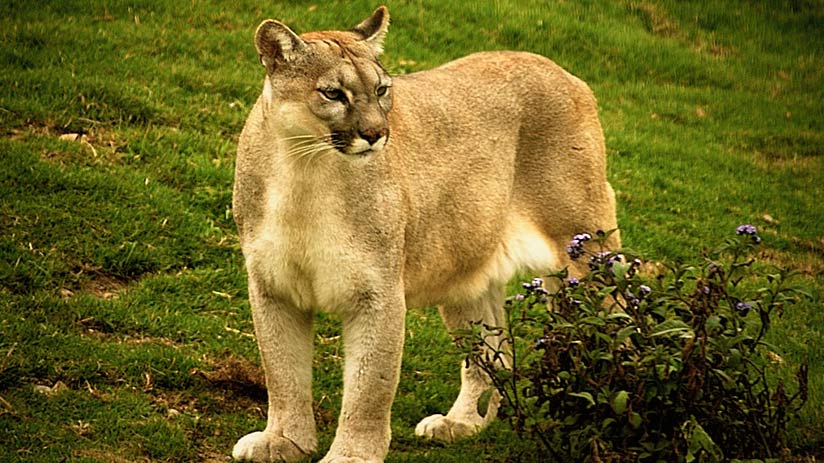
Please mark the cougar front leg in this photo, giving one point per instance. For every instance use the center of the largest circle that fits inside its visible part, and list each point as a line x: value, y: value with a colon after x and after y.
x: 373, y: 343
x: 284, y: 335
x: 469, y: 414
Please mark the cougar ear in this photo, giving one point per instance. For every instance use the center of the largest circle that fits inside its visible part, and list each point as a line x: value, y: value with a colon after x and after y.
x: 276, y: 42
x: 373, y: 29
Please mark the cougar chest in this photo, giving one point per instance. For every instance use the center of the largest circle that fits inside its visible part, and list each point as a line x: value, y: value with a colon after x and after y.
x: 319, y: 245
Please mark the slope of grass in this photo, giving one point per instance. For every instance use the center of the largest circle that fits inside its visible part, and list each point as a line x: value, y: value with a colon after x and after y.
x: 121, y: 281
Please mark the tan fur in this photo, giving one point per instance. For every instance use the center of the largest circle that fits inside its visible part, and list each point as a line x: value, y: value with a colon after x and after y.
x: 441, y: 188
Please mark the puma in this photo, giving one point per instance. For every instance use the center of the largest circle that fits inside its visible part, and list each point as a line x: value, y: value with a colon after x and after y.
x: 363, y: 194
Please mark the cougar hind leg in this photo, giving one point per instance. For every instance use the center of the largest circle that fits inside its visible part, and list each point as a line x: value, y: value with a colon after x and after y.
x: 467, y: 417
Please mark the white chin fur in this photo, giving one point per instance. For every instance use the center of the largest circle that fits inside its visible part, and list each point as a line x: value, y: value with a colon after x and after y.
x: 379, y: 144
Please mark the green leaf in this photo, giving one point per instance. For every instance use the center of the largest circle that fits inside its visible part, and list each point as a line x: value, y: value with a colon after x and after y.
x: 607, y: 339
x: 735, y: 358
x: 699, y: 441
x: 714, y: 323
x: 728, y: 382
x: 607, y: 423
x: 635, y: 420
x: 624, y: 333
x: 619, y: 269
x: 483, y: 401
x: 668, y: 327
x: 619, y: 402
x: 595, y: 321
x: 583, y: 395
x: 606, y: 291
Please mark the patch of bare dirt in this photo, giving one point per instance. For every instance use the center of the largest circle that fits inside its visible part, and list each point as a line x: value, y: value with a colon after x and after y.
x: 101, y: 146
x: 239, y: 384
x: 234, y: 370
x: 103, y: 287
x: 96, y: 284
x: 655, y: 20
x: 176, y: 402
x: 236, y: 375
x: 99, y: 143
x: 810, y: 264
x: 770, y: 160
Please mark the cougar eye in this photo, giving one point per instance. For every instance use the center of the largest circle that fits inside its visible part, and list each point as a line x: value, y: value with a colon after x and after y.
x: 382, y: 90
x: 333, y: 94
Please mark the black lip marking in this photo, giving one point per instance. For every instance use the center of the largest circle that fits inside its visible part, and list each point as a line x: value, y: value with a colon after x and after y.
x: 340, y: 140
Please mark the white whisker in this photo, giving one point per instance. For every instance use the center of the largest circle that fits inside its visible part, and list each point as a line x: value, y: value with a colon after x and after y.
x: 299, y: 147
x: 305, y: 149
x: 297, y: 153
x: 297, y: 137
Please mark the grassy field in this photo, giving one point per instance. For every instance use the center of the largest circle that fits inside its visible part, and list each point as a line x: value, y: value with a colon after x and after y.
x: 125, y: 332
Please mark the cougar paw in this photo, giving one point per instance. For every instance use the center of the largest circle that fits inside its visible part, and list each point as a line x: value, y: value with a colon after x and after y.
x: 444, y: 429
x: 262, y: 447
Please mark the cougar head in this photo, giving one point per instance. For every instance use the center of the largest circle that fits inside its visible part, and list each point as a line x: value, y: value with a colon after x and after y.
x: 332, y: 91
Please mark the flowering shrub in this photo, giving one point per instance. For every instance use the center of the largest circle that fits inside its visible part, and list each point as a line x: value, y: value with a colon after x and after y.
x: 610, y: 367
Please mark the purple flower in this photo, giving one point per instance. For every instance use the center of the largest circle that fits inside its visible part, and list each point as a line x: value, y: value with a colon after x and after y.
x: 582, y: 237
x: 575, y: 248
x: 536, y: 285
x: 746, y: 230
x: 743, y: 307
x: 572, y: 281
x: 616, y: 258
x: 706, y: 290
x: 597, y: 259
x: 644, y: 289
x: 519, y: 297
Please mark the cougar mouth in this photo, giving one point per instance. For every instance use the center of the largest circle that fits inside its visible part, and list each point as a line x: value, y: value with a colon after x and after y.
x: 365, y: 149
x: 364, y: 152
x: 351, y: 145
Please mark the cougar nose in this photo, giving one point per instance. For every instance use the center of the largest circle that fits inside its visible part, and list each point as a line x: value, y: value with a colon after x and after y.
x: 373, y: 135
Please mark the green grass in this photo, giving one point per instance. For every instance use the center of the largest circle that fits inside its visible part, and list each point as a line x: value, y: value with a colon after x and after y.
x: 120, y: 271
